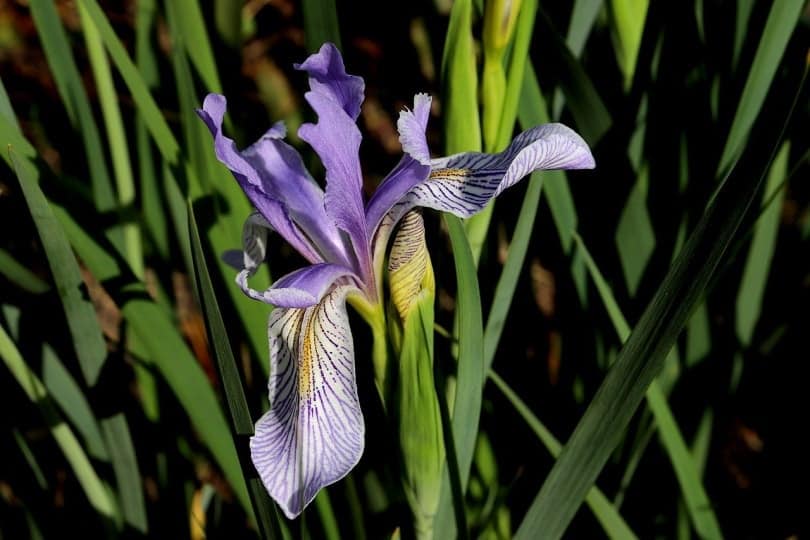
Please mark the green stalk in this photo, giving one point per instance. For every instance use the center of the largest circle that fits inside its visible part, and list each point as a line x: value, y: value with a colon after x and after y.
x: 116, y: 137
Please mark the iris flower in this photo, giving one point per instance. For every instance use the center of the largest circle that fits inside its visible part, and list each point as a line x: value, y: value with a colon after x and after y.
x: 313, y: 434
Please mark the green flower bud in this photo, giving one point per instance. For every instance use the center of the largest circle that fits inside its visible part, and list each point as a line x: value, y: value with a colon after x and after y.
x: 418, y: 416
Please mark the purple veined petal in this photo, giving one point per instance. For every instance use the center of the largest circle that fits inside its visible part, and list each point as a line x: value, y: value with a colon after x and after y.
x: 307, y: 286
x: 405, y: 176
x: 271, y: 170
x: 464, y: 183
x: 336, y: 140
x: 301, y: 288
x: 412, y: 169
x: 327, y: 76
x: 314, y: 433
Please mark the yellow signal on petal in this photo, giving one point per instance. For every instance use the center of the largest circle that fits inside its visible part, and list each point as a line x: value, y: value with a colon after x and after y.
x: 409, y: 266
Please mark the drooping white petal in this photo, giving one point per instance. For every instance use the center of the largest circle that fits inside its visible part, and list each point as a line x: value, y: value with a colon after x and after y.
x: 313, y: 434
x: 463, y: 184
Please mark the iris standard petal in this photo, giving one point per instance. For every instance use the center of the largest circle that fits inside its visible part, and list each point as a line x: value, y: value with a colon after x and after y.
x: 412, y: 125
x: 267, y: 201
x: 328, y: 76
x: 464, y: 183
x: 314, y: 433
x: 412, y: 169
x: 336, y: 140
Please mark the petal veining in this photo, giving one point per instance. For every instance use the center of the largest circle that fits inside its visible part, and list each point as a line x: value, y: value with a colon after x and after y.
x: 313, y: 434
x: 463, y: 184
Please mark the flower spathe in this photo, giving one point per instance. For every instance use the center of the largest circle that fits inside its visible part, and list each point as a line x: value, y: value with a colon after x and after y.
x: 313, y: 434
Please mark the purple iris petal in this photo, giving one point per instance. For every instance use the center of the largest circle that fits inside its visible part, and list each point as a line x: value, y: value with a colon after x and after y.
x: 328, y: 76
x: 285, y: 178
x: 405, y: 175
x: 412, y: 168
x: 314, y: 433
x: 267, y: 200
x: 305, y: 287
x: 336, y: 140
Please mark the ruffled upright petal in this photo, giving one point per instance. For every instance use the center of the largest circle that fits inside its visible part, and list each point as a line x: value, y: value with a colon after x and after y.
x: 464, y: 183
x: 336, y: 99
x: 412, y: 169
x: 275, y: 180
x: 412, y: 125
x: 327, y: 75
x: 313, y: 434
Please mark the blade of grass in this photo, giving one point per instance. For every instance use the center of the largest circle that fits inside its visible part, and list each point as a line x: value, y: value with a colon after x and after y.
x: 30, y: 459
x: 144, y: 101
x: 326, y: 514
x: 10, y: 135
x: 697, y: 501
x: 635, y: 236
x: 154, y: 212
x: 462, y: 123
x: 743, y: 15
x: 60, y: 58
x: 21, y: 276
x: 241, y: 421
x: 462, y: 126
x: 228, y: 20
x: 154, y: 220
x: 117, y: 140
x: 6, y: 110
x: 127, y: 474
x: 763, y: 245
x: 507, y: 282
x: 590, y: 114
x: 642, y: 357
x: 68, y: 395
x: 782, y: 19
x: 505, y: 102
x: 629, y: 17
x: 87, y: 341
x: 518, y: 59
x: 192, y: 26
x: 583, y: 17
x: 207, y: 176
x: 164, y: 347
x: 91, y: 484
x: 560, y: 202
x: 612, y: 522
x: 320, y: 23
x: 470, y: 374
x: 532, y: 111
